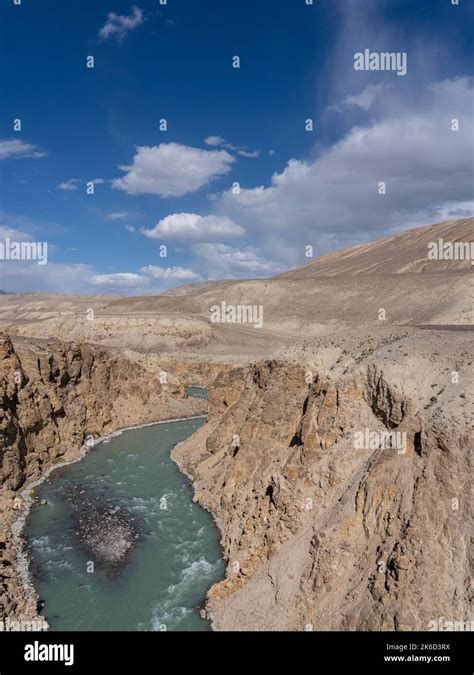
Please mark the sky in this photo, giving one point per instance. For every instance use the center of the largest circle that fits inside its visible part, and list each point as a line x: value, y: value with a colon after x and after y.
x: 166, y: 164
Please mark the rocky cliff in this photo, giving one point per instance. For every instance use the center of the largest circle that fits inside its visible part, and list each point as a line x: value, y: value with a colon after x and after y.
x: 320, y: 533
x: 53, y: 398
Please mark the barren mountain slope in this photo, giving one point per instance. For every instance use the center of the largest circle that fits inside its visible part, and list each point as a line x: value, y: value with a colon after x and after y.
x: 341, y: 291
x: 405, y: 251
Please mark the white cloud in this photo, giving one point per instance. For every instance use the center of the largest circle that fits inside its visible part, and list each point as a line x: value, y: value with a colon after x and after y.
x: 71, y: 184
x: 214, y: 140
x: 118, y: 25
x: 191, y: 227
x: 170, y: 273
x: 18, y: 149
x: 130, y: 228
x: 121, y: 280
x: 172, y: 170
x: 248, y: 153
x: 7, y: 232
x: 367, y: 97
x: 24, y: 277
x: 333, y: 200
x: 218, y: 141
x: 222, y: 261
x: 130, y: 281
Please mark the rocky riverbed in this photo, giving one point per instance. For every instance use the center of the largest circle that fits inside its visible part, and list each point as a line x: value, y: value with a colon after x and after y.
x: 106, y: 531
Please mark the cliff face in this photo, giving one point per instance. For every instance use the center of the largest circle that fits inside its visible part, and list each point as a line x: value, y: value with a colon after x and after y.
x: 52, y: 399
x: 318, y: 532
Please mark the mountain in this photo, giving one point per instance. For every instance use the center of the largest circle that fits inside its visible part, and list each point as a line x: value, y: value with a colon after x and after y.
x: 349, y: 286
x: 343, y: 289
x: 404, y: 252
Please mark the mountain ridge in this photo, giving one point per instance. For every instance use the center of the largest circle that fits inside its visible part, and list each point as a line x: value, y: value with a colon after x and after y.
x: 390, y: 253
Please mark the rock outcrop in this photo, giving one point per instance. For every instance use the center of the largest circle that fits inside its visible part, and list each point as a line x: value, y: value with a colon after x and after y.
x: 318, y: 532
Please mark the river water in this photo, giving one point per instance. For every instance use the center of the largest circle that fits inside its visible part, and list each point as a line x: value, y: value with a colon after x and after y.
x: 176, y: 559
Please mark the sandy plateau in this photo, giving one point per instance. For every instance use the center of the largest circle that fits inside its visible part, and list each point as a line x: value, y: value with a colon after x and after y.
x: 318, y: 534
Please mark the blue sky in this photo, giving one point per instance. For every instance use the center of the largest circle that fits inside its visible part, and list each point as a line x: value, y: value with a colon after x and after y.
x: 225, y: 126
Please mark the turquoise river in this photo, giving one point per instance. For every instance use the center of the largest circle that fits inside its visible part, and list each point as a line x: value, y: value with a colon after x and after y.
x: 164, y: 578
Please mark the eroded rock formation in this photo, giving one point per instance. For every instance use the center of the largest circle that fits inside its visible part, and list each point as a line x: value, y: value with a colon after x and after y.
x: 317, y: 533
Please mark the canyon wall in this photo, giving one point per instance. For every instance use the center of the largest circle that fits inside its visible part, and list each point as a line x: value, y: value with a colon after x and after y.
x: 53, y: 398
x: 319, y: 534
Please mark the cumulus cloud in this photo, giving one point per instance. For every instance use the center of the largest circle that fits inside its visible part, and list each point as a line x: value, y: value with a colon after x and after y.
x: 18, y: 149
x: 121, y: 280
x: 334, y: 199
x: 222, y: 261
x: 190, y: 227
x: 118, y: 25
x: 23, y: 277
x: 170, y: 273
x: 149, y: 274
x: 172, y: 170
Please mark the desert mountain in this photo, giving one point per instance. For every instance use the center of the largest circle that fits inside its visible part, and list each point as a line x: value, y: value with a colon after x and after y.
x: 344, y: 289
x: 404, y: 252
